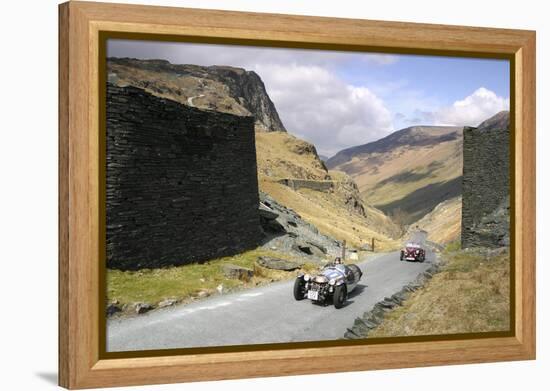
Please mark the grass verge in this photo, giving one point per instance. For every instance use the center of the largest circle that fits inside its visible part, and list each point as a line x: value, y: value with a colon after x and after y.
x: 470, y: 294
x: 189, y: 282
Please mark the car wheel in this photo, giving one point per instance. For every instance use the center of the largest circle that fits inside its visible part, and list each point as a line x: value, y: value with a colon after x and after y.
x: 401, y: 256
x: 357, y: 273
x: 299, y: 286
x: 339, y: 296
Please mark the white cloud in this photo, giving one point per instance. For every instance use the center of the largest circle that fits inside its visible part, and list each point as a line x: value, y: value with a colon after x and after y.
x: 312, y: 101
x: 472, y: 110
x: 239, y: 56
x: 318, y: 106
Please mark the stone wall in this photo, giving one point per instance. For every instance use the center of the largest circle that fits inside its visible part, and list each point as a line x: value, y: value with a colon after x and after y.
x: 485, y: 184
x: 296, y: 184
x: 181, y: 182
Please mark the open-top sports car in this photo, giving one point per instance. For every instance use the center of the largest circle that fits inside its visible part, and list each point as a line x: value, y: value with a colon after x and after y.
x: 413, y: 252
x: 332, y: 284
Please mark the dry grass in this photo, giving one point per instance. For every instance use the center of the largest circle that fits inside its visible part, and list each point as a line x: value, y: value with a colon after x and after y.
x: 443, y: 224
x: 387, y: 179
x: 330, y: 217
x: 205, y: 93
x: 188, y: 282
x: 471, y: 294
x: 281, y: 155
x: 445, y: 158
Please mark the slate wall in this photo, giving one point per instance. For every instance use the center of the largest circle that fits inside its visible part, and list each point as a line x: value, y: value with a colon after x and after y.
x: 485, y: 185
x: 181, y: 182
x: 297, y: 184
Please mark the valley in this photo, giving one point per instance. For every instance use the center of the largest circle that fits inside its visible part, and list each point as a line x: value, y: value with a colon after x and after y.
x: 408, y: 173
x: 224, y: 213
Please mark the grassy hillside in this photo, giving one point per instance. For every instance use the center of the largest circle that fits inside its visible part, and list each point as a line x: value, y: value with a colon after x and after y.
x: 340, y: 213
x: 471, y: 294
x: 332, y: 217
x: 221, y: 88
x: 443, y: 224
x: 281, y: 155
x: 408, y: 172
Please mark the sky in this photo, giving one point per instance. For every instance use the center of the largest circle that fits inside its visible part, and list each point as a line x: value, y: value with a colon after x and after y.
x: 337, y: 100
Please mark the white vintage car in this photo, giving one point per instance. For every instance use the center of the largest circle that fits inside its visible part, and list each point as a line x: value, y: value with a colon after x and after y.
x: 333, y: 283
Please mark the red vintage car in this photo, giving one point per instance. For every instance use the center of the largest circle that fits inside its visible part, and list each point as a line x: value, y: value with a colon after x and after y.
x: 413, y: 252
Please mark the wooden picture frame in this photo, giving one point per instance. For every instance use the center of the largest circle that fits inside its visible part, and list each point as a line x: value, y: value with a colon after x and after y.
x: 81, y: 25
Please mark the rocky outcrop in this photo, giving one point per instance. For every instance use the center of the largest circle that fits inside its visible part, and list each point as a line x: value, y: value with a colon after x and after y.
x: 288, y: 232
x: 141, y: 308
x: 347, y: 190
x: 278, y: 263
x: 281, y: 155
x: 220, y: 88
x: 237, y: 272
x: 486, y: 183
x: 248, y: 88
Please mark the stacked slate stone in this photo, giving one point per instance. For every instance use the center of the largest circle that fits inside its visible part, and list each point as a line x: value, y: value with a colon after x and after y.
x: 370, y: 320
x: 181, y: 182
x: 296, y: 184
x: 486, y: 183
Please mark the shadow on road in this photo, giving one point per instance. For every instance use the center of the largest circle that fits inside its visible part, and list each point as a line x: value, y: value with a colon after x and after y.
x: 357, y: 291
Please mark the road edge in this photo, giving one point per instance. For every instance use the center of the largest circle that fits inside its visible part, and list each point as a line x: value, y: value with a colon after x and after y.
x: 374, y: 317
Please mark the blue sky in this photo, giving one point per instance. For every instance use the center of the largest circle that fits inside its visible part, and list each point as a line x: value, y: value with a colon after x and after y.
x: 338, y: 100
x: 435, y: 81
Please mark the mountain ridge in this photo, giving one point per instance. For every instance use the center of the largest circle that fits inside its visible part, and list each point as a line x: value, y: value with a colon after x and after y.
x: 338, y: 212
x: 407, y: 173
x: 403, y: 137
x: 221, y: 88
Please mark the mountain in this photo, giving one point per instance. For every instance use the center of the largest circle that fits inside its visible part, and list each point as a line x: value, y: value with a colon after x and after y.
x: 323, y: 158
x: 499, y: 121
x: 220, y: 88
x: 337, y: 211
x: 282, y: 155
x: 407, y: 173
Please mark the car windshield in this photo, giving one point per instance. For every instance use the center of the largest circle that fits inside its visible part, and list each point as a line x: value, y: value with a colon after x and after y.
x: 413, y: 245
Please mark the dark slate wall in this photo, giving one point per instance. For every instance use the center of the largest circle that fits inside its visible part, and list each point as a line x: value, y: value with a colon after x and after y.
x: 296, y: 184
x: 181, y: 182
x: 485, y: 183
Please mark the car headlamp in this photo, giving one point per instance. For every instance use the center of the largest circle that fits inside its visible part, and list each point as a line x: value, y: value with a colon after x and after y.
x: 307, y: 277
x: 332, y: 281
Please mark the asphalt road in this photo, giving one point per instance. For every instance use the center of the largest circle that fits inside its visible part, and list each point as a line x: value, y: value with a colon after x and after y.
x: 267, y: 314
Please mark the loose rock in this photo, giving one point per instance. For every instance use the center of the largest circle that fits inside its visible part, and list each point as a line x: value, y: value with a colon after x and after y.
x: 142, y: 308
x: 113, y: 309
x: 167, y: 303
x: 278, y: 264
x: 237, y: 272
